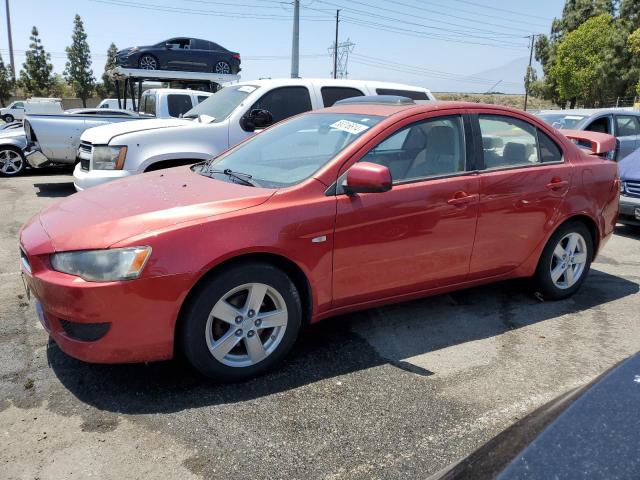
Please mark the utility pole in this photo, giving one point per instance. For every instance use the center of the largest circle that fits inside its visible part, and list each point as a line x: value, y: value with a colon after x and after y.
x: 527, y: 77
x: 295, y: 44
x: 13, y: 65
x: 335, y: 49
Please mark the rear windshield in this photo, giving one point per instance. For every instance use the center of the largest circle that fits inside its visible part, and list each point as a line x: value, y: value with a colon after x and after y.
x: 561, y: 120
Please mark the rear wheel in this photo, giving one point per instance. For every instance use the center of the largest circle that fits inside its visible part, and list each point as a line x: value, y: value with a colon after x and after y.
x: 241, y: 322
x: 12, y: 162
x: 222, y: 67
x: 565, y: 261
x: 148, y: 62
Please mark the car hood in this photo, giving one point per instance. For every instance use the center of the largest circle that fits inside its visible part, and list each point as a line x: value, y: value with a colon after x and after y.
x: 629, y: 167
x: 102, y: 216
x: 12, y: 132
x: 103, y: 134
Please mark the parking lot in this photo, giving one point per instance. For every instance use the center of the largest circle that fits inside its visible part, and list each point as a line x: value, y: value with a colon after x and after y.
x: 394, y: 392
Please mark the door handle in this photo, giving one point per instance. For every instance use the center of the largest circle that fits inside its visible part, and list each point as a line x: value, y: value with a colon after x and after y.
x: 462, y: 198
x: 556, y: 183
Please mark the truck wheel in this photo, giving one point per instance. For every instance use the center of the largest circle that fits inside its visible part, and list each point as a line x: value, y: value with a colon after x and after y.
x: 8, y: 118
x: 565, y: 261
x: 12, y: 162
x: 241, y: 322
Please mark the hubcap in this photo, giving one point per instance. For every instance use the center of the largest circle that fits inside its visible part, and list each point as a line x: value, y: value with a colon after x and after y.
x: 10, y: 162
x: 568, y: 261
x: 148, y: 63
x: 246, y: 325
x: 222, y: 67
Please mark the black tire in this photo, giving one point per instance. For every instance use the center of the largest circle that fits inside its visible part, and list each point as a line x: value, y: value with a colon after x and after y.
x: 543, y: 282
x: 9, y: 171
x: 194, y: 321
x: 146, y: 61
x: 222, y: 67
x: 8, y: 118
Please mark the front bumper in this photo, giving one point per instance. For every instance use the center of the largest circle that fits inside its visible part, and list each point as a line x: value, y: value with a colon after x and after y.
x: 140, y: 314
x: 83, y: 179
x: 628, y: 206
x: 35, y: 157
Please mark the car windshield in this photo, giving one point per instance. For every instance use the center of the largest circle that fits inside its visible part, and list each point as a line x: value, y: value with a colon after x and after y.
x: 291, y: 151
x: 561, y: 120
x: 220, y: 105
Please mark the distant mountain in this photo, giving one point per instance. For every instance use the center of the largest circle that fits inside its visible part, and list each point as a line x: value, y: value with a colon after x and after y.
x: 511, y: 74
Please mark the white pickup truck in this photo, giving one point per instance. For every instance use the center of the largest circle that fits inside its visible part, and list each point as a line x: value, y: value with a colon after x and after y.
x: 229, y: 116
x: 54, y: 139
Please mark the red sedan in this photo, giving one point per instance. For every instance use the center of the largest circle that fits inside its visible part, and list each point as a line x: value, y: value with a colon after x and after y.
x: 366, y: 203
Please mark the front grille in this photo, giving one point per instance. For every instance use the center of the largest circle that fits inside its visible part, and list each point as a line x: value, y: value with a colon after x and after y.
x: 85, y: 147
x: 84, y: 154
x: 633, y: 188
x: 84, y: 164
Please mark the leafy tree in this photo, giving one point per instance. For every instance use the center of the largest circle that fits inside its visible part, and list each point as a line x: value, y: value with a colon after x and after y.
x: 630, y: 14
x: 35, y: 77
x: 78, y: 68
x: 60, y: 88
x: 7, y: 82
x: 108, y: 87
x: 581, y: 63
x: 633, y: 44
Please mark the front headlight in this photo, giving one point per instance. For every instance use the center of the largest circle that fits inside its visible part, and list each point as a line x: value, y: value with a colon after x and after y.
x: 622, y: 187
x: 108, y: 158
x: 103, y: 265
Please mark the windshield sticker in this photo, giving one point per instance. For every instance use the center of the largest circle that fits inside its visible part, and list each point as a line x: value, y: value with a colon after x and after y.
x: 350, y: 127
x: 247, y: 89
x: 572, y: 117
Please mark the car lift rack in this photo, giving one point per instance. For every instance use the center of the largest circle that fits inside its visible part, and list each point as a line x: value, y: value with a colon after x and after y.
x: 129, y: 77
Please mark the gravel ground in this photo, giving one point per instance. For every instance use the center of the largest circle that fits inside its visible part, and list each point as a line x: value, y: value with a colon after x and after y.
x: 389, y: 393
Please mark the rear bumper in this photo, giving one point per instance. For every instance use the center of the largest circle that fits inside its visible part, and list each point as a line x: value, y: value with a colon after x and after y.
x: 83, y: 179
x: 628, y: 206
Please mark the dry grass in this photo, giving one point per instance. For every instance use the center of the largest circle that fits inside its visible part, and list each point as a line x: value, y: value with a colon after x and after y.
x: 516, y: 101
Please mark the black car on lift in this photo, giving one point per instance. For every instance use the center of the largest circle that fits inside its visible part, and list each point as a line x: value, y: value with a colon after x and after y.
x: 182, y: 53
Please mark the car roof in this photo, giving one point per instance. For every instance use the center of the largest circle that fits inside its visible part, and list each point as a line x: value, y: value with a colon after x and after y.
x: 388, y: 110
x: 176, y: 90
x: 329, y: 82
x: 588, y: 112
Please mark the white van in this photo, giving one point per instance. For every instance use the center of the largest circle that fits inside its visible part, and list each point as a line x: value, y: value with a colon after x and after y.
x: 18, y: 109
x: 225, y: 119
x: 112, y: 104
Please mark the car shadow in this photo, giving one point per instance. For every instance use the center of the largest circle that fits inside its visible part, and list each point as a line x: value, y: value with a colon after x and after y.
x: 54, y: 190
x: 48, y: 171
x: 335, y: 347
x: 628, y: 231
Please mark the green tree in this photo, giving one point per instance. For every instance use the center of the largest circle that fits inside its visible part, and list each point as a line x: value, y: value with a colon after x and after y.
x: 633, y: 45
x: 108, y: 87
x: 78, y: 68
x: 630, y: 14
x: 581, y: 63
x: 35, y: 76
x: 7, y: 82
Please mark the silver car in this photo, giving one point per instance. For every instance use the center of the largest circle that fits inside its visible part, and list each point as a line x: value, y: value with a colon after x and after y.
x: 624, y: 124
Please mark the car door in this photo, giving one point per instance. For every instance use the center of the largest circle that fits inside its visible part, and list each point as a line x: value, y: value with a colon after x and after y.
x: 523, y: 180
x: 281, y: 102
x: 627, y: 129
x: 178, y: 54
x: 199, y: 53
x: 418, y: 235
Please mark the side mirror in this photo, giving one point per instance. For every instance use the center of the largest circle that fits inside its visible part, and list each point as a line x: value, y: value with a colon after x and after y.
x: 256, y: 118
x: 366, y: 177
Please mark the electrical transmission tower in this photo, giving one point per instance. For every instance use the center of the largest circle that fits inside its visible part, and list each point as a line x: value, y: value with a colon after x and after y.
x: 342, y: 57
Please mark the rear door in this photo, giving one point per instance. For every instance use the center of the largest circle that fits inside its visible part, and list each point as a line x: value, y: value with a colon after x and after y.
x: 524, y: 178
x: 627, y: 130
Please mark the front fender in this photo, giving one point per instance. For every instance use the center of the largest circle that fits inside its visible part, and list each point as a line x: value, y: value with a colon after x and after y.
x: 17, y: 142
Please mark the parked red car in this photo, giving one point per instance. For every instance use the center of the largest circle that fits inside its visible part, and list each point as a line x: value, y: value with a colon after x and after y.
x: 366, y: 203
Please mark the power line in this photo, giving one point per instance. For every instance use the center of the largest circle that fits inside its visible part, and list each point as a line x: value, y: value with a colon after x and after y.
x: 491, y: 7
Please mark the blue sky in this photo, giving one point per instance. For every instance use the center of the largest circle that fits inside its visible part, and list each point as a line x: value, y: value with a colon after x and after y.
x: 431, y: 43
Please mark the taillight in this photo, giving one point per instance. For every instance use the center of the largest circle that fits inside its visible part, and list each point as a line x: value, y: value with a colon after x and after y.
x: 236, y: 56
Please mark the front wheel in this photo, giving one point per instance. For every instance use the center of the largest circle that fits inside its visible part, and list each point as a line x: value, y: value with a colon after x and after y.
x: 148, y: 62
x: 565, y: 261
x: 241, y: 322
x: 12, y: 162
x: 8, y: 118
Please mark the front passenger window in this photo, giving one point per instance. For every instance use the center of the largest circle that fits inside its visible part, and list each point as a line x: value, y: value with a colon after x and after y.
x: 429, y: 148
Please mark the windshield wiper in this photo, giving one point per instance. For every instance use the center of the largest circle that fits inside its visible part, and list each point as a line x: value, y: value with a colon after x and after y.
x: 243, y: 178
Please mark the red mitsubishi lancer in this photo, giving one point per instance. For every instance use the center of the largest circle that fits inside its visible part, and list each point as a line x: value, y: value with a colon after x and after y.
x: 372, y: 201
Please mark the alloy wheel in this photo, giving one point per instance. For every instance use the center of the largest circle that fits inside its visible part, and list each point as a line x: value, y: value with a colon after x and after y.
x: 147, y: 62
x: 246, y: 325
x: 222, y: 67
x: 568, y: 260
x: 11, y: 163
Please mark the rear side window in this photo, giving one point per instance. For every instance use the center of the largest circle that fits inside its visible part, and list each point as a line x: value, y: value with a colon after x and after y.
x: 178, y: 104
x: 331, y: 95
x: 549, y: 150
x: 600, y: 125
x: 202, y: 98
x: 414, y: 95
x: 627, y: 125
x: 508, y: 142
x: 149, y: 105
x: 285, y: 102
